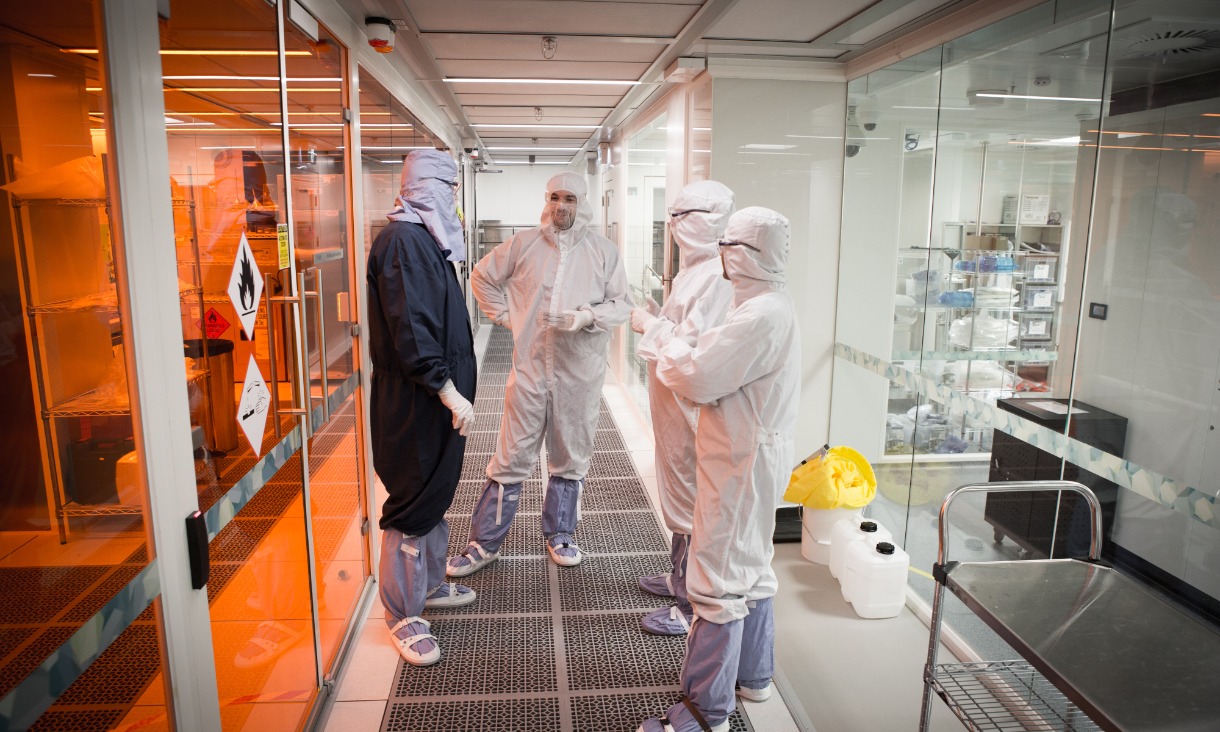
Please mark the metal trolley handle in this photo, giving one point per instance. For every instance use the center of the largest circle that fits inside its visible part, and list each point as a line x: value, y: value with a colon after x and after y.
x: 942, y: 552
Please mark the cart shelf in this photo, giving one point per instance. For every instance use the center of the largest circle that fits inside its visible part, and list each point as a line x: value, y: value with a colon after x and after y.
x: 1005, y: 696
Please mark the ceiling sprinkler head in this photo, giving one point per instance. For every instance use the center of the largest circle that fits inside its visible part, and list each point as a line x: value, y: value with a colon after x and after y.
x: 549, y: 45
x: 538, y: 113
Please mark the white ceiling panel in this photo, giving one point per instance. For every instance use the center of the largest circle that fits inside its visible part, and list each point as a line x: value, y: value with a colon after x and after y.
x: 526, y: 140
x: 525, y: 114
x: 543, y: 69
x: 655, y: 19
x: 784, y: 20
x: 546, y: 101
x: 529, y: 47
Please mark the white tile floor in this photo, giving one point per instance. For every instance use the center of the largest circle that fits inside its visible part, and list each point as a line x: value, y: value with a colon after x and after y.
x: 837, y: 673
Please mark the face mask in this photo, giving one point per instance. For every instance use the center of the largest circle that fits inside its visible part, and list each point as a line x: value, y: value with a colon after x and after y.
x: 724, y: 268
x: 563, y: 214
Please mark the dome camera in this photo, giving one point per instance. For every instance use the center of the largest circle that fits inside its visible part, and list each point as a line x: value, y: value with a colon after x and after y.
x: 869, y: 116
x: 853, y: 148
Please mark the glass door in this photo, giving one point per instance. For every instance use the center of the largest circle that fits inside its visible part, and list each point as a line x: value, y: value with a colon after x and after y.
x: 324, y: 258
x: 257, y: 137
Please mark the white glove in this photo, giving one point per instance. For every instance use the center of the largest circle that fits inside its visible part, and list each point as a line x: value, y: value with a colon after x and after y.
x: 463, y: 410
x: 575, y: 320
x: 651, y: 305
x: 503, y: 321
x: 641, y: 319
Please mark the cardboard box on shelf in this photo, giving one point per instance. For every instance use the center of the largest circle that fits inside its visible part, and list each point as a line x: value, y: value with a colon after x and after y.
x: 986, y: 241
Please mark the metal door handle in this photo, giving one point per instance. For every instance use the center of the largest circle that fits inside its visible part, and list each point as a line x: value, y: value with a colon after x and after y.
x: 268, y: 280
x: 316, y: 294
x: 302, y: 368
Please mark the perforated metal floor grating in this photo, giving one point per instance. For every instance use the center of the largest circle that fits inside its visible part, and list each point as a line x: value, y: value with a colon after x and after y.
x: 547, y: 649
x: 501, y: 715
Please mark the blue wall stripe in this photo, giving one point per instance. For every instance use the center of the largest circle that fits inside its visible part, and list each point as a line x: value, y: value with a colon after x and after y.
x: 27, y: 702
x: 1153, y: 486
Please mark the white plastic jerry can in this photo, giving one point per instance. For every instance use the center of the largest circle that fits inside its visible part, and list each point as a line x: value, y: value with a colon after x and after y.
x: 875, y: 578
x: 816, y: 526
x: 847, y: 531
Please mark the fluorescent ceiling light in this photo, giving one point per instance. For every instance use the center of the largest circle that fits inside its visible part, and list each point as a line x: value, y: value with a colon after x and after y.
x: 1057, y: 142
x: 43, y: 76
x: 702, y: 151
x: 233, y: 77
x: 591, y: 82
x: 954, y: 109
x: 397, y: 161
x: 275, y: 89
x: 484, y: 125
x: 1035, y: 97
x: 228, y: 147
x: 386, y: 125
x: 536, y: 149
x: 816, y: 137
x: 526, y: 162
x: 395, y: 147
x: 189, y: 52
x: 762, y: 146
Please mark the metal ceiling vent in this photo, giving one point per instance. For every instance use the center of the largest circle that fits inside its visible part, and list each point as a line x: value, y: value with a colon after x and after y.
x: 1172, y: 43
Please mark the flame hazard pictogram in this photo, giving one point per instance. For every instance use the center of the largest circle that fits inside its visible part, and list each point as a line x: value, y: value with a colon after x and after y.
x: 215, y: 323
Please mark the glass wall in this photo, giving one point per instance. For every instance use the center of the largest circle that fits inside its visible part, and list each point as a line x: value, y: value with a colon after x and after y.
x: 74, y: 512
x: 999, y: 320
x: 644, y: 247
x: 388, y: 131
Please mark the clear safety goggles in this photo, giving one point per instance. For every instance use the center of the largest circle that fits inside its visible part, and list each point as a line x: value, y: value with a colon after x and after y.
x: 673, y: 214
x: 739, y: 244
x: 452, y: 184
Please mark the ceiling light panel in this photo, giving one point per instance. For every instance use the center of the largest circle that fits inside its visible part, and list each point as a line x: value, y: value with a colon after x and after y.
x: 562, y: 17
x: 542, y: 69
x: 447, y: 46
x: 538, y: 96
x: 797, y: 21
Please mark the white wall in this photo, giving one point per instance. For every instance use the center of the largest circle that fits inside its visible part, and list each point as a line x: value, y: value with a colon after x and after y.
x: 516, y: 195
x: 805, y: 183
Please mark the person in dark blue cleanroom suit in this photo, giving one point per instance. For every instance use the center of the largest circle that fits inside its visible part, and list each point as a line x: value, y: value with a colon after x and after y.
x: 423, y: 380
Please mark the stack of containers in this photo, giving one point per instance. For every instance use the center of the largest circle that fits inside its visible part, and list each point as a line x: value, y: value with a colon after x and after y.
x: 833, y: 485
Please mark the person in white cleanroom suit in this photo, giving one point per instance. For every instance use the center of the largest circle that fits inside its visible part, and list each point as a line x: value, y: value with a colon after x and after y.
x: 560, y: 288
x: 698, y: 300
x: 746, y: 373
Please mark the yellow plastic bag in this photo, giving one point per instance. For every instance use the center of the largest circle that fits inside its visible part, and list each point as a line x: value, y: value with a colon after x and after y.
x: 841, y: 478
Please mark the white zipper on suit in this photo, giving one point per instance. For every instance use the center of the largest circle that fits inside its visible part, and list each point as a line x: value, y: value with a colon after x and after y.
x: 553, y: 310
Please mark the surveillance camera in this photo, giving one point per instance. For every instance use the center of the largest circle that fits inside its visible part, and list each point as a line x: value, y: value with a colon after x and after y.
x: 911, y: 141
x: 853, y: 148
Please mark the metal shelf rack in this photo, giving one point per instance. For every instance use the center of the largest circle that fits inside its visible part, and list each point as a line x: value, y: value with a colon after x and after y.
x: 88, y: 403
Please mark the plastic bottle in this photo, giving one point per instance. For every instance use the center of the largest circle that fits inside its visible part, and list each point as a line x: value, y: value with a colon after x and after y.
x: 875, y: 578
x: 847, y: 531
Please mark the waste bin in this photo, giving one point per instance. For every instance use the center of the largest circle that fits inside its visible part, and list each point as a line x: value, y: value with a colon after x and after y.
x: 220, y: 429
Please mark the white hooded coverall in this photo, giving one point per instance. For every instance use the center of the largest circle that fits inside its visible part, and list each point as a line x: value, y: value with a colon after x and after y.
x: 556, y: 381
x: 747, y: 374
x: 697, y: 301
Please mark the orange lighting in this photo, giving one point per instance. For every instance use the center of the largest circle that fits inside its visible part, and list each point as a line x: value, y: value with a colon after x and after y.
x: 187, y: 52
x: 248, y: 89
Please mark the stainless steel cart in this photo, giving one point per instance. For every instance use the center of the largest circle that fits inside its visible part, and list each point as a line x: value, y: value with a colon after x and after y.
x: 1098, y: 651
